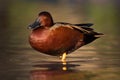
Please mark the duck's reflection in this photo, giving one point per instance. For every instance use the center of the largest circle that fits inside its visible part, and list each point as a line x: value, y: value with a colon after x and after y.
x: 56, y: 66
x: 54, y: 71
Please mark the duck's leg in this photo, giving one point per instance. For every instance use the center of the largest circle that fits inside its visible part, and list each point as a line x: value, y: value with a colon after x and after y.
x: 63, y: 59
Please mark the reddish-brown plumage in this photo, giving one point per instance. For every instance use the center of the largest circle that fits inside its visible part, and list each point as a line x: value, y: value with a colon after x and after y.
x: 57, y: 38
x: 55, y: 42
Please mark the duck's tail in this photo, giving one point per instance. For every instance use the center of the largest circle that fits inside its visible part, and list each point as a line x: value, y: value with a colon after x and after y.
x: 87, y: 30
x: 97, y: 35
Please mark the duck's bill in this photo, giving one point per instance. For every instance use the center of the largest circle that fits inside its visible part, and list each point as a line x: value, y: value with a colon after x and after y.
x: 35, y: 25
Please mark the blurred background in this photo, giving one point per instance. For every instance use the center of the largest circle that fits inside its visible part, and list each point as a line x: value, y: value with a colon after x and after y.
x: 16, y: 15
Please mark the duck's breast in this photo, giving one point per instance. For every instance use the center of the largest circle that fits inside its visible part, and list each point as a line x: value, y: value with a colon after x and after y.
x: 55, y: 40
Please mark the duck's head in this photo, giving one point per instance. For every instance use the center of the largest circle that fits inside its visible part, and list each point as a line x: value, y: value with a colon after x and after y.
x: 44, y: 20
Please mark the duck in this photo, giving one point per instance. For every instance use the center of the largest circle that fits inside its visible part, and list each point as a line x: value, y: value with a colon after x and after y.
x: 59, y: 38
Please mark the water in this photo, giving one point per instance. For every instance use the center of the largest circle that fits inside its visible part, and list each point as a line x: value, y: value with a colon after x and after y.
x: 97, y: 61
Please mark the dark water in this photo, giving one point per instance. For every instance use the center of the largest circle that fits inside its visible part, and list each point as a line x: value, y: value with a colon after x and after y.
x: 96, y: 61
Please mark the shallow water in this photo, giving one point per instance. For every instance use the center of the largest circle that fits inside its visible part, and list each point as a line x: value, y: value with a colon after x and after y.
x: 97, y: 61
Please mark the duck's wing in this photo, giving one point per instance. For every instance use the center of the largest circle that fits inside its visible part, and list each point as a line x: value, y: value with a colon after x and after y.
x: 80, y: 25
x: 85, y: 28
x: 84, y: 25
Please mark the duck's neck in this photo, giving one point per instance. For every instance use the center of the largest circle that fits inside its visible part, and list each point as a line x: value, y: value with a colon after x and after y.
x: 50, y: 24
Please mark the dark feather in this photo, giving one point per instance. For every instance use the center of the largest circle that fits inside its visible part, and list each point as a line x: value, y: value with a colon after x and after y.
x: 81, y: 25
x: 84, y: 24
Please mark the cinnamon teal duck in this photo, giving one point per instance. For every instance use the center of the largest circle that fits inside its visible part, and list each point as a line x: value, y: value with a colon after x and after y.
x: 59, y: 39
